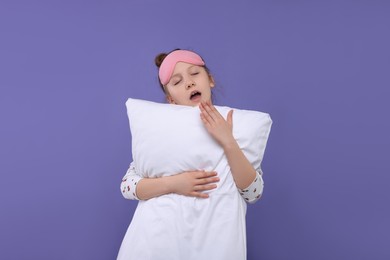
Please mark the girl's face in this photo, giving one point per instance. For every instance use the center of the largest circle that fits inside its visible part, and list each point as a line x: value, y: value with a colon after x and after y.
x: 189, y: 85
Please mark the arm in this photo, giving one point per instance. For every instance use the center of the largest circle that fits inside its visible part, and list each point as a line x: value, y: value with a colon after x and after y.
x: 191, y: 183
x: 253, y: 192
x: 129, y: 183
x: 243, y: 172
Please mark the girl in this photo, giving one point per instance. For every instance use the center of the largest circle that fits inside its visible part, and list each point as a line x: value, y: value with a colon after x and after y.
x: 185, y: 80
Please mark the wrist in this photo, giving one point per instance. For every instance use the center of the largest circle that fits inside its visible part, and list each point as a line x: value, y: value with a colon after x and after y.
x: 169, y: 184
x: 230, y: 145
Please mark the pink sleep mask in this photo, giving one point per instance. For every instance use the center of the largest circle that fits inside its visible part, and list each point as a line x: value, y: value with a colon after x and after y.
x: 169, y: 63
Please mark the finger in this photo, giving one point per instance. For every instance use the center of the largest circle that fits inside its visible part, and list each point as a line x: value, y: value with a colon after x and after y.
x: 205, y: 187
x: 204, y: 174
x: 204, y: 120
x: 210, y: 109
x: 199, y: 195
x: 214, y: 110
x: 206, y: 108
x: 205, y: 181
x: 205, y: 112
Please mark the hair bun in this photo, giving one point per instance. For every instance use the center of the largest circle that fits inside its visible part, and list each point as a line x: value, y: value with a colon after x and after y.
x: 159, y: 59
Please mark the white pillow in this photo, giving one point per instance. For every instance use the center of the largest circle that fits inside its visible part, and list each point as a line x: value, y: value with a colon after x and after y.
x: 168, y: 139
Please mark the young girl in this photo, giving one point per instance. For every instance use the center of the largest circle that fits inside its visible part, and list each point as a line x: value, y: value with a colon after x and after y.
x: 185, y: 80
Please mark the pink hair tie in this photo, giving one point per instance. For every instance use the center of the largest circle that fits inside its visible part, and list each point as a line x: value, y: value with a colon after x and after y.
x: 169, y: 63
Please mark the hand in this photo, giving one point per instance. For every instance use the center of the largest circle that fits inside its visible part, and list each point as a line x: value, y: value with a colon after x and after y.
x: 194, y: 183
x: 219, y: 128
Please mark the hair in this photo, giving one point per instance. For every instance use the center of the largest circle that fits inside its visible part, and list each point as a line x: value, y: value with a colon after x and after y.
x: 158, y: 60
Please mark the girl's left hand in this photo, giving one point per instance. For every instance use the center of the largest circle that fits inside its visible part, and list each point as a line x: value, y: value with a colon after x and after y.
x: 219, y: 128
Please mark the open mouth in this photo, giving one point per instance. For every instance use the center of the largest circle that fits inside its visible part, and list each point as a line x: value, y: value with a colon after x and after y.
x: 195, y: 94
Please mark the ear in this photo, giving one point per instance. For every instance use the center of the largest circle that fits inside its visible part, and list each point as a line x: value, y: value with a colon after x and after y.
x: 212, y: 82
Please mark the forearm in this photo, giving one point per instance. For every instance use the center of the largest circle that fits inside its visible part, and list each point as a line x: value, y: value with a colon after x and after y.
x: 242, y: 171
x: 219, y: 128
x: 190, y: 183
x: 137, y: 187
x: 253, y: 192
x: 129, y: 183
x: 148, y: 188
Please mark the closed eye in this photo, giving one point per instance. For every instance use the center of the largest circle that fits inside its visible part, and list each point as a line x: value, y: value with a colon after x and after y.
x: 176, y: 82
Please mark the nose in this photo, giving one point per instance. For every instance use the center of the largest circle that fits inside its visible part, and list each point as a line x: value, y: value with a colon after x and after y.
x: 190, y: 84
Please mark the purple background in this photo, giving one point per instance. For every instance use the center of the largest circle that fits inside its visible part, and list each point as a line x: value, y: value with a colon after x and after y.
x: 321, y: 69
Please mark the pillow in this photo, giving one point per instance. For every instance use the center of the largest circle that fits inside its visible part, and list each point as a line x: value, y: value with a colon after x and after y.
x: 168, y: 139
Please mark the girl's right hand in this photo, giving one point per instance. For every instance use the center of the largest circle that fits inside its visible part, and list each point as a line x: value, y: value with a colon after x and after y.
x: 193, y: 183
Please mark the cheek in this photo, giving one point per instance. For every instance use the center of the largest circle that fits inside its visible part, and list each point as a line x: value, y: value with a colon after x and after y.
x: 178, y: 91
x: 174, y: 96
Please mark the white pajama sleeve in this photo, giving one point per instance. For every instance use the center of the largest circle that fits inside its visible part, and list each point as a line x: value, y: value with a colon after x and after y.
x: 253, y: 192
x: 129, y: 183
